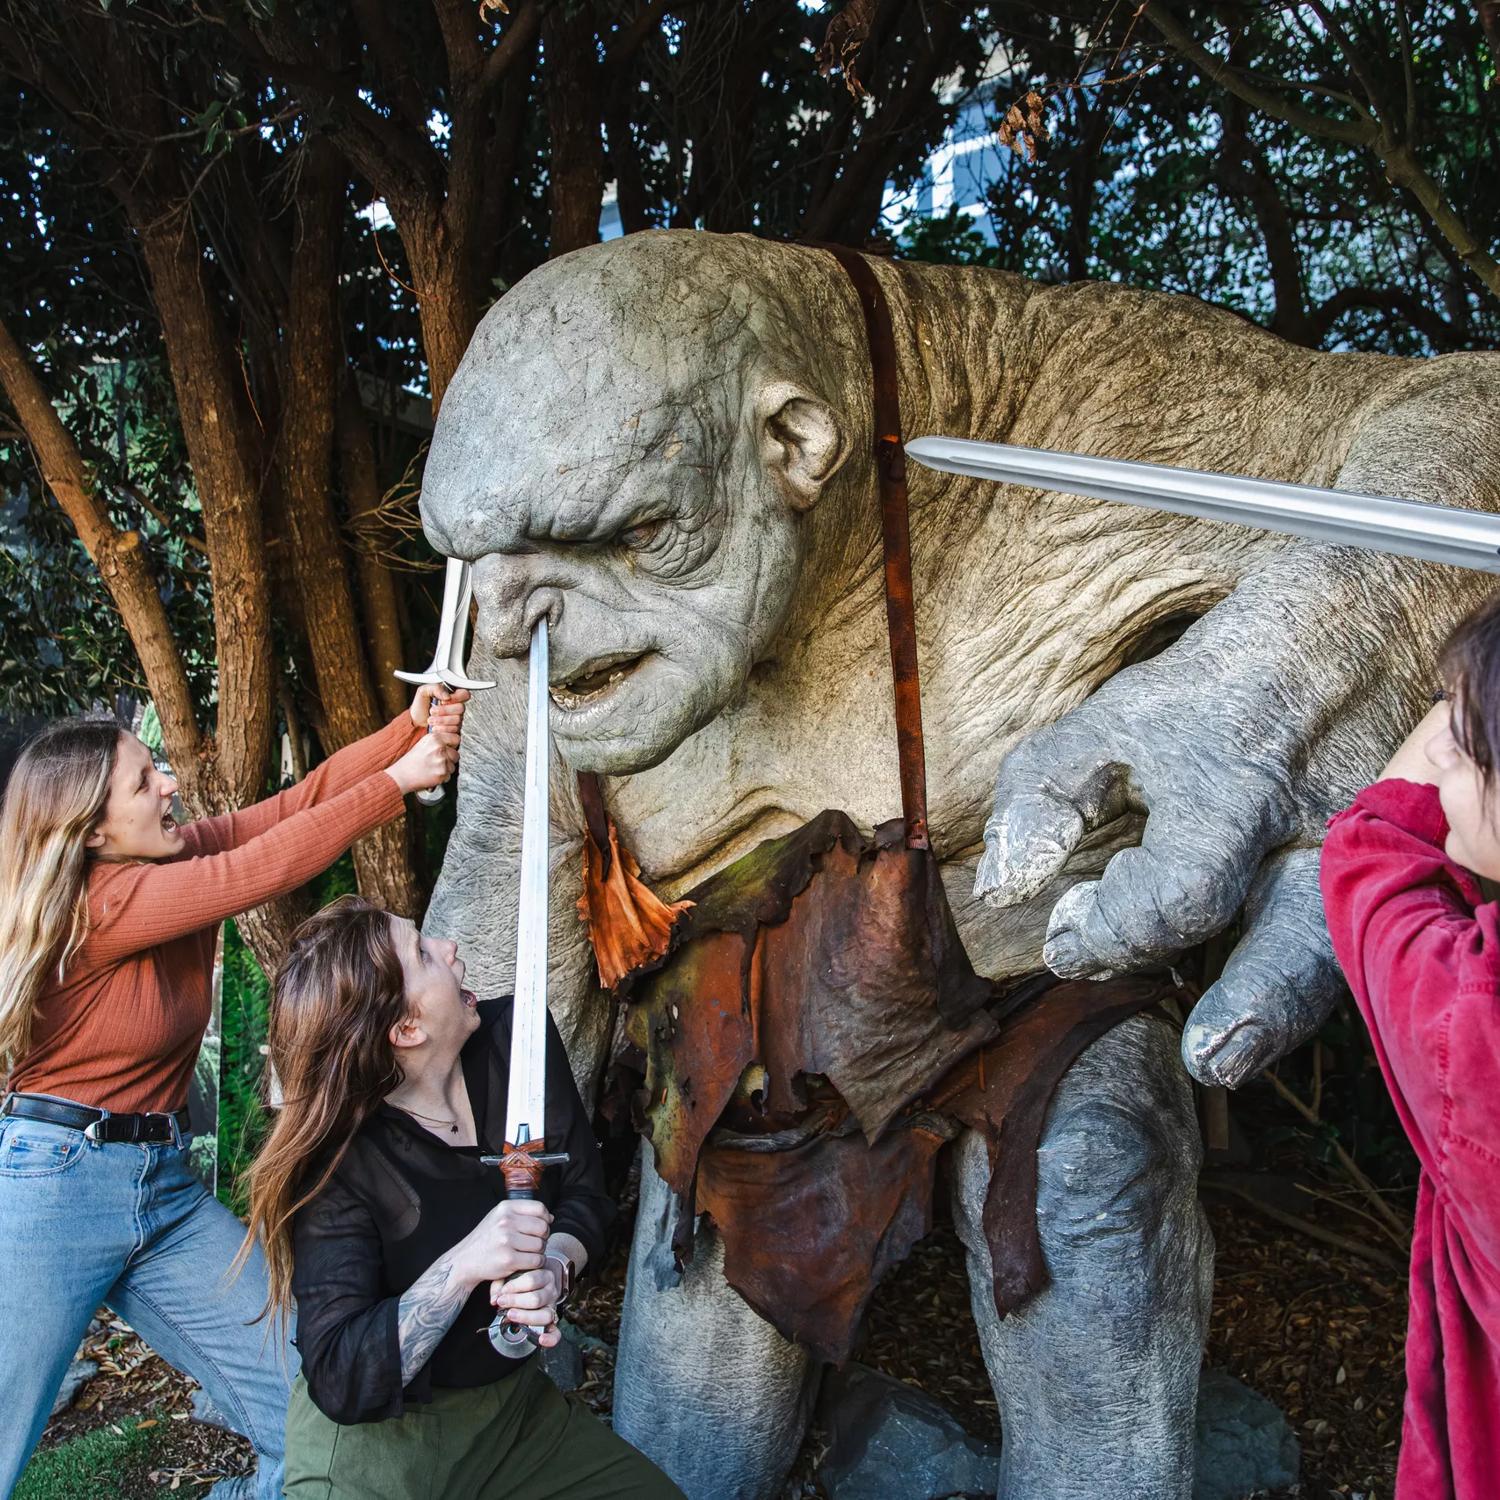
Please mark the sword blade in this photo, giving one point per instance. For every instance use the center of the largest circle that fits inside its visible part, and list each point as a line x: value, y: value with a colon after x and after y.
x: 1379, y: 523
x: 525, y: 1103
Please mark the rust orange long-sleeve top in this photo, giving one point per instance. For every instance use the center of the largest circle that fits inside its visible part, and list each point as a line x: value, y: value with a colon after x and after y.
x: 122, y: 1028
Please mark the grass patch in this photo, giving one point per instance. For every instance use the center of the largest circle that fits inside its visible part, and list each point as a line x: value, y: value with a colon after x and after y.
x: 115, y: 1460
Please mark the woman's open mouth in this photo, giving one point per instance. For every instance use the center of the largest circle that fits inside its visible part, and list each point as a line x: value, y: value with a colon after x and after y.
x: 469, y: 998
x: 598, y: 679
x: 169, y: 826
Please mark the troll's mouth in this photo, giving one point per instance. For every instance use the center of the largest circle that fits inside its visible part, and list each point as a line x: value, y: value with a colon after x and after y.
x: 600, y: 678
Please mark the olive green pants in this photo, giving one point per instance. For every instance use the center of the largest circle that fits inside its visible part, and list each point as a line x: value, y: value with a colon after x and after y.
x: 518, y: 1439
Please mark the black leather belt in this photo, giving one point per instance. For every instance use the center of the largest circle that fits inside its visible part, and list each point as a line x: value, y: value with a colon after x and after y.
x: 97, y: 1124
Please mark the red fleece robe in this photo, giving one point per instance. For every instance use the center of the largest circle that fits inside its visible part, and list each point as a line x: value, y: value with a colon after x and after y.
x: 1421, y: 950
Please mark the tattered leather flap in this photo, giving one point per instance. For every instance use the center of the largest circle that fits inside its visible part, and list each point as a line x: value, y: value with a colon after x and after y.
x: 809, y: 1232
x: 1003, y: 1092
x: 821, y: 955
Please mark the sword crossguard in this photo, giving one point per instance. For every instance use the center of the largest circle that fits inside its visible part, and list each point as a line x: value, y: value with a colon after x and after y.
x: 522, y: 1166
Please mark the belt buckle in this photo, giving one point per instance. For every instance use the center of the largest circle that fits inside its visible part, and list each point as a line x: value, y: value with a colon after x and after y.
x: 174, y: 1130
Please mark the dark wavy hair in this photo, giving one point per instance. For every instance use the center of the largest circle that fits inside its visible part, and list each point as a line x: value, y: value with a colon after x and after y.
x: 1471, y: 673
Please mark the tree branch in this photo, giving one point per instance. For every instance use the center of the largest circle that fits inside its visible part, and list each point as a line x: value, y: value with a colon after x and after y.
x: 1392, y: 301
x: 629, y: 39
x: 117, y: 554
x: 400, y: 164
x: 392, y: 61
x: 514, y: 45
x: 1402, y: 167
x: 458, y: 25
x: 1252, y: 87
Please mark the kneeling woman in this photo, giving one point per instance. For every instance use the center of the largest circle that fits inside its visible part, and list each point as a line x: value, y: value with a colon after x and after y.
x: 395, y: 1241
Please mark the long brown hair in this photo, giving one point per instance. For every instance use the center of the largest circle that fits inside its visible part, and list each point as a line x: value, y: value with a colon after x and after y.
x: 337, y: 994
x: 56, y: 795
x: 1470, y: 667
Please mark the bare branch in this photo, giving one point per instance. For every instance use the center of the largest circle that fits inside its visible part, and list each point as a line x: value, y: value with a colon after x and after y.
x: 514, y: 45
x: 117, y: 554
x: 1375, y: 134
x: 1256, y: 90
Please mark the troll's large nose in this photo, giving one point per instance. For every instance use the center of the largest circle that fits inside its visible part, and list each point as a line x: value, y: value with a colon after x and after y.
x: 514, y: 593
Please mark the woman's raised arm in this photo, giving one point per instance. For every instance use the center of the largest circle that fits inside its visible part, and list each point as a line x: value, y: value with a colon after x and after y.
x: 136, y: 906
x: 343, y: 769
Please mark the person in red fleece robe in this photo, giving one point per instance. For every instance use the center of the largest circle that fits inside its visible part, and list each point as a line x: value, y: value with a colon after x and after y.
x: 1402, y: 875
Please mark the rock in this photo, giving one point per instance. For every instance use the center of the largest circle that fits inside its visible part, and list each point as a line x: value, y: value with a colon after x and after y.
x: 80, y: 1372
x: 564, y: 1363
x: 890, y: 1441
x: 1244, y: 1442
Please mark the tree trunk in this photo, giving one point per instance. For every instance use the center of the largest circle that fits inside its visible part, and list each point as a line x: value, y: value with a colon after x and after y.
x: 441, y: 279
x: 311, y: 379
x: 216, y: 426
x: 377, y: 584
x: 575, y: 167
x: 118, y: 556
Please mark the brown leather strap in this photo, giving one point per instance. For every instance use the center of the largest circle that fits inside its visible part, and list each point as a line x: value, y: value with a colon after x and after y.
x: 900, y: 614
x: 595, y: 817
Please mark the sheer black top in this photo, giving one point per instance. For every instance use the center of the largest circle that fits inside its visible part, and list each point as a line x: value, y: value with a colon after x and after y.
x: 401, y: 1198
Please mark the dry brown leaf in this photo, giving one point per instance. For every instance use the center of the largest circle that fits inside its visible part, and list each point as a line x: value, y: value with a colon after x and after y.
x: 847, y: 33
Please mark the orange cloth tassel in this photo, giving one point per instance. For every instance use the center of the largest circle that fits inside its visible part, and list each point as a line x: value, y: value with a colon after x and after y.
x: 628, y: 923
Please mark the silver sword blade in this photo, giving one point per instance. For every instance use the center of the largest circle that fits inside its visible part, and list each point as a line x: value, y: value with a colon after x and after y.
x: 525, y: 1102
x: 1381, y: 523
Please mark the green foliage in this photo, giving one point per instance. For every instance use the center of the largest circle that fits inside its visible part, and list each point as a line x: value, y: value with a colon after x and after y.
x: 244, y: 1018
x: 244, y: 1002
x: 1152, y: 174
x: 105, y: 1461
x: 948, y: 239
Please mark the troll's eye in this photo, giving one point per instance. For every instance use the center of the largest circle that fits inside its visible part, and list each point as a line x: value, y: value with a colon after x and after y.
x: 640, y: 536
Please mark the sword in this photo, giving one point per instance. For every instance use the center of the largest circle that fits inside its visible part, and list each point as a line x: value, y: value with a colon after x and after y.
x: 1380, y: 523
x: 526, y: 1097
x: 447, y: 666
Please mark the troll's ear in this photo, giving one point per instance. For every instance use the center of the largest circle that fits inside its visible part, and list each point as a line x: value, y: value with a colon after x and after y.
x: 802, y: 442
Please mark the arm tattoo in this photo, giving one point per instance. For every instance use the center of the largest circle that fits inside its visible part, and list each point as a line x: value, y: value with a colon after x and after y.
x: 425, y: 1313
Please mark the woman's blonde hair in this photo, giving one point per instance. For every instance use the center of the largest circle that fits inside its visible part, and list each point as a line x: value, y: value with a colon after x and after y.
x: 337, y: 994
x: 55, y: 798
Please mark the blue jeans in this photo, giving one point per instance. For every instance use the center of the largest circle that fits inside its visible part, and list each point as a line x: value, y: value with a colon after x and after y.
x: 131, y: 1227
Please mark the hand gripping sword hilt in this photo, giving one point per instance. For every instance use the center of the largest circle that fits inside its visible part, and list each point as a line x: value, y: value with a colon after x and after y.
x: 447, y: 666
x: 522, y: 1165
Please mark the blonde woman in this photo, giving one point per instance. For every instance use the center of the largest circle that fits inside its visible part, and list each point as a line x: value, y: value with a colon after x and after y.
x: 108, y: 913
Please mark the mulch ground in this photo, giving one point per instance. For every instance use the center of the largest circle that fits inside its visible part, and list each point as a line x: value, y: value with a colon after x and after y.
x: 1315, y: 1328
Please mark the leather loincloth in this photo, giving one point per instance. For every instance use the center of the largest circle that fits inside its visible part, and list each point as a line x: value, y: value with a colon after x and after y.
x: 812, y: 1039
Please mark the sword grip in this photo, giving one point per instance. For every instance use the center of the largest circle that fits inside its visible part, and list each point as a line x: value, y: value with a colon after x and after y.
x: 430, y: 796
x: 523, y: 1171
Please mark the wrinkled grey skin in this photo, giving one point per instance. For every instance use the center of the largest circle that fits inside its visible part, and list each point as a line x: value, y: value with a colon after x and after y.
x: 661, y: 444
